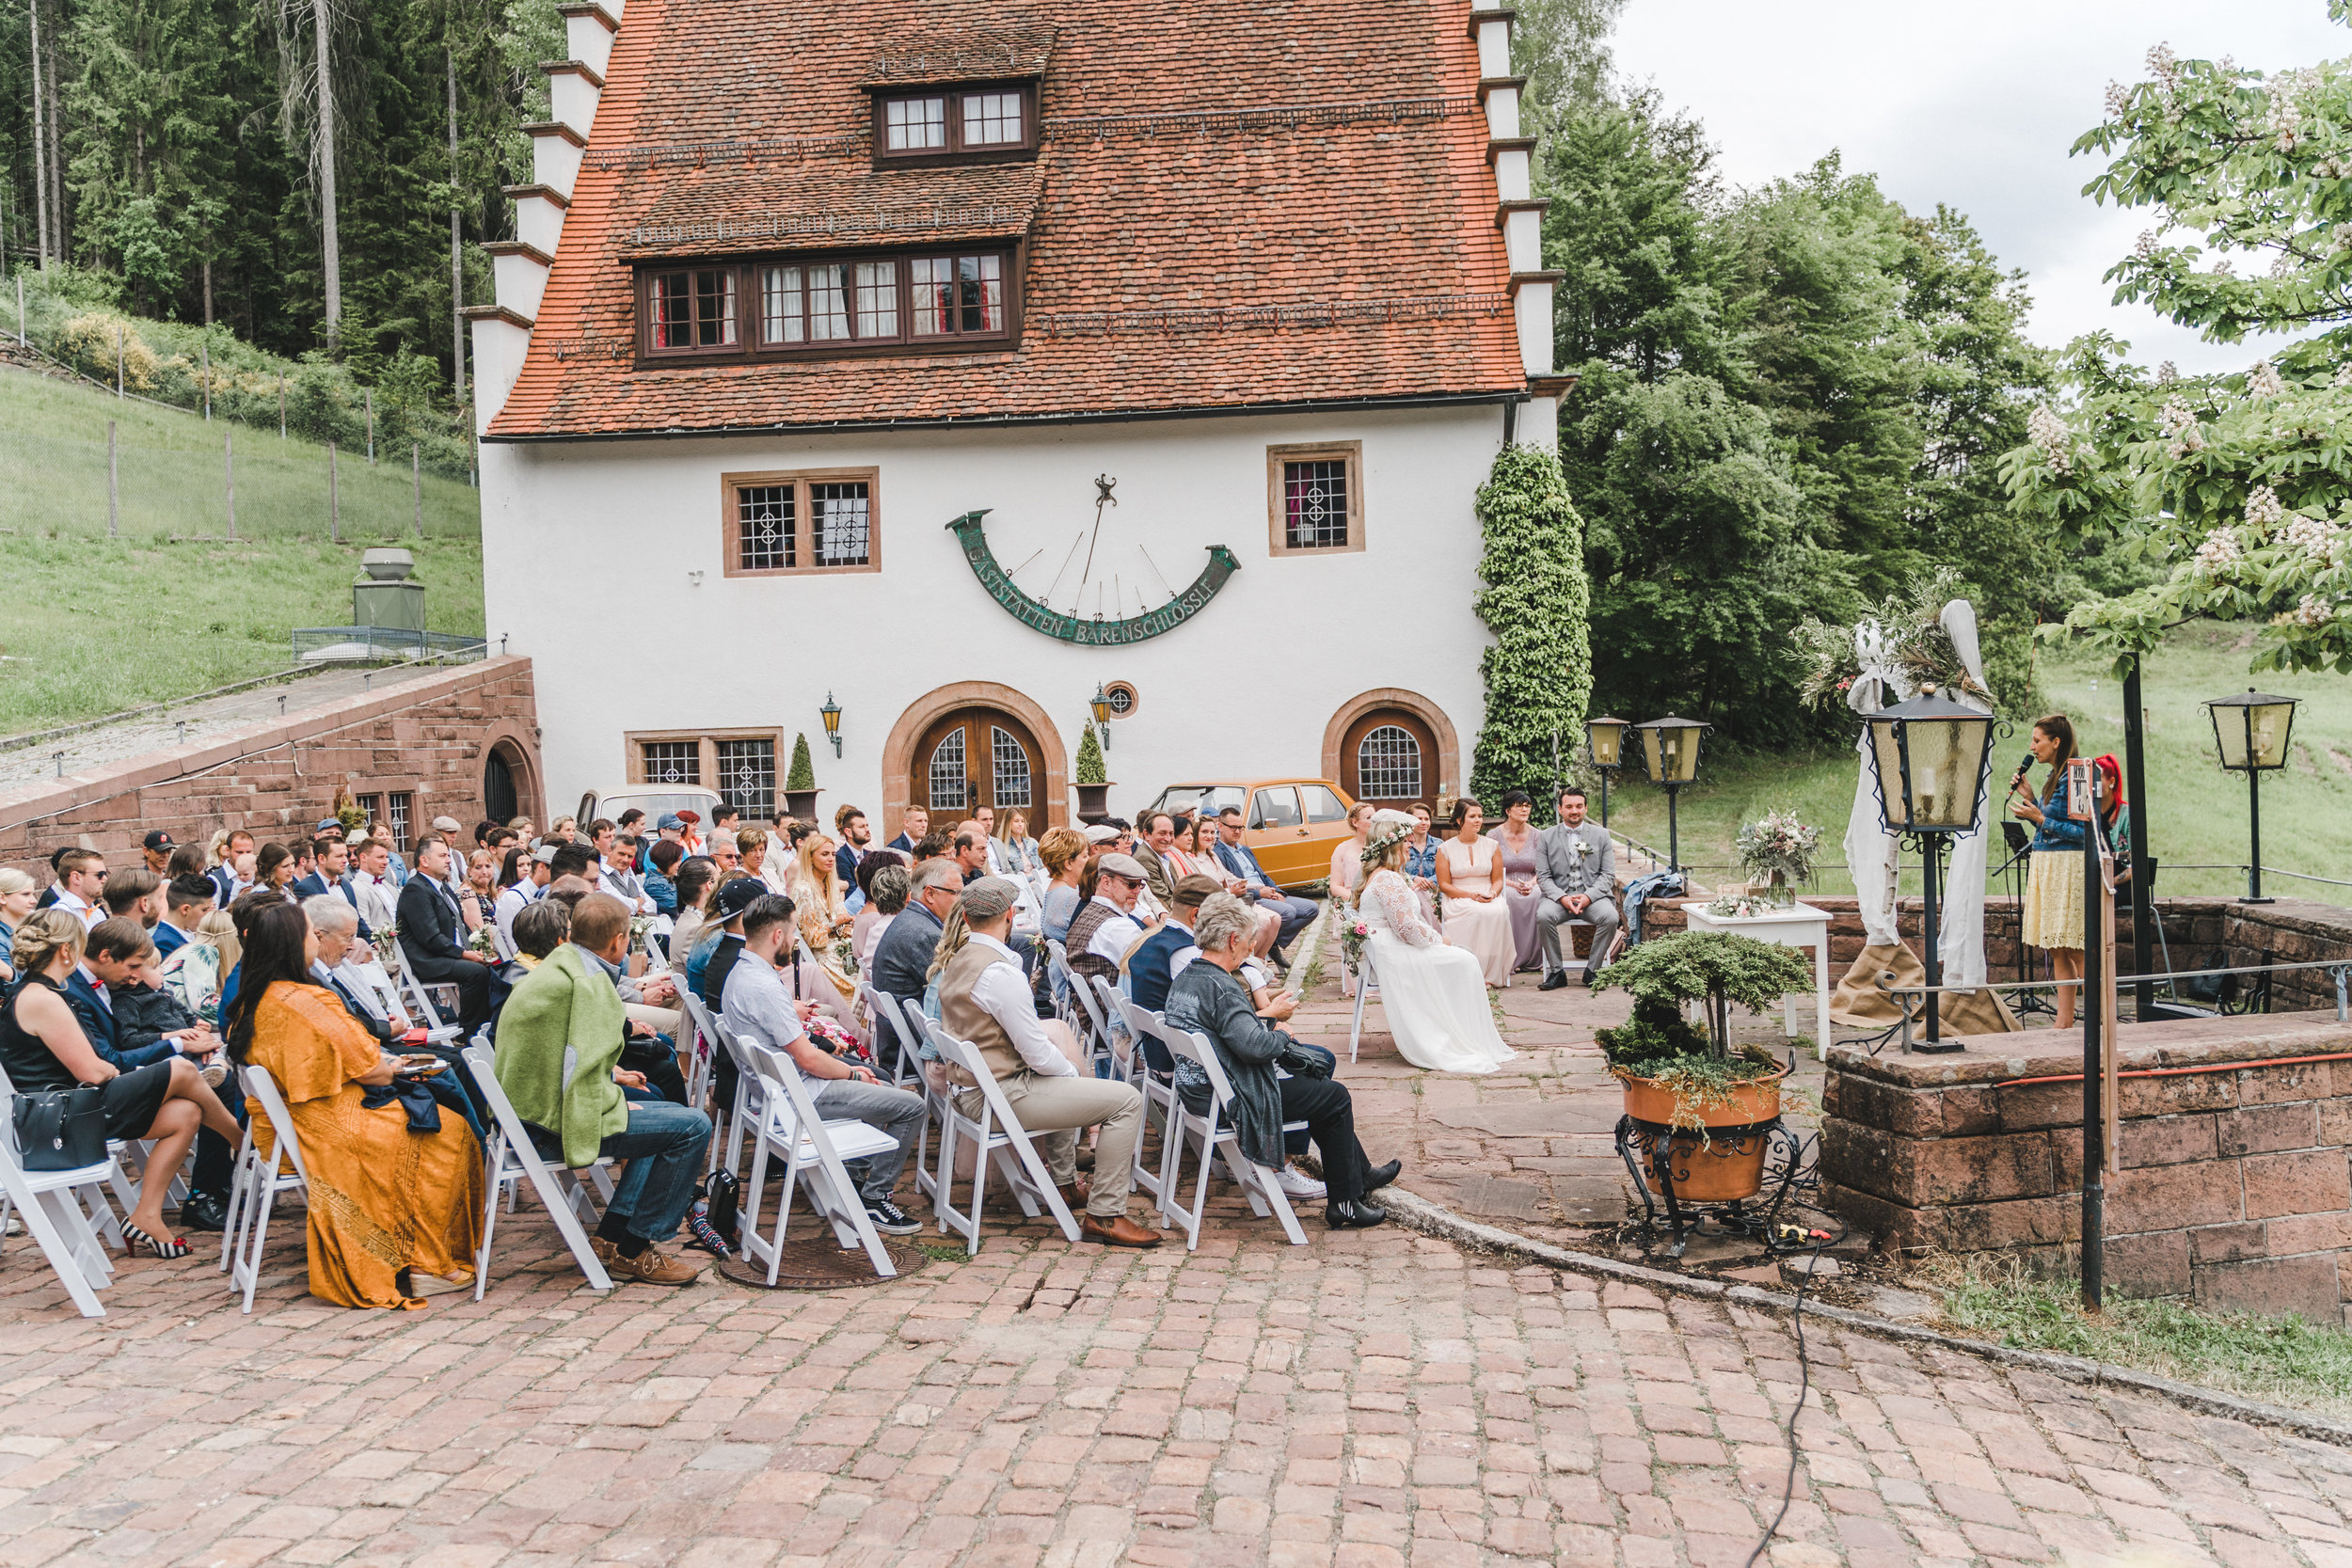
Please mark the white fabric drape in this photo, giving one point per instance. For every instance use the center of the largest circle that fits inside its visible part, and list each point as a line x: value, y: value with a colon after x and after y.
x: 1871, y: 849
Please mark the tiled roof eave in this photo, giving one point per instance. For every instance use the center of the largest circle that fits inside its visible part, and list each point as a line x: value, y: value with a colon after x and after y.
x: 1473, y: 397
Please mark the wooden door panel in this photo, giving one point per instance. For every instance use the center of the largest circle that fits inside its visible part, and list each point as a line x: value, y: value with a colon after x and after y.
x: 976, y: 757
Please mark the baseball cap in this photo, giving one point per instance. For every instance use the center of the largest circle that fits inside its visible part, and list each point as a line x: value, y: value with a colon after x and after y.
x: 545, y: 854
x: 668, y: 820
x: 738, y: 895
x: 1122, y: 865
x: 329, y: 824
x: 159, y: 840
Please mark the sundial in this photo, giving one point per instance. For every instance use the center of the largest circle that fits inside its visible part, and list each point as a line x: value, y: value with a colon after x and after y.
x: 1107, y: 591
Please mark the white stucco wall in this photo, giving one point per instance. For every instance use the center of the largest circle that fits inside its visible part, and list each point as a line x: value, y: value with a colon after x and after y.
x: 588, y: 550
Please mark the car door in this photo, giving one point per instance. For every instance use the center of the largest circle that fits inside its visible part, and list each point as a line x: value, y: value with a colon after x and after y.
x: 1276, y: 832
x: 1325, y: 820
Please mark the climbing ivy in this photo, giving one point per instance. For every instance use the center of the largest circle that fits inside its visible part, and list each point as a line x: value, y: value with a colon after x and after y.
x: 1539, y: 672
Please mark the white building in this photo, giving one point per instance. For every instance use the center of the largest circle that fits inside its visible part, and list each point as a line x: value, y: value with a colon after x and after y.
x: 830, y: 329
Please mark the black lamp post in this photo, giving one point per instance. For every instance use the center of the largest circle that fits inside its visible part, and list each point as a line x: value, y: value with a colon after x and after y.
x: 1100, y: 704
x: 1604, y: 742
x: 831, y: 712
x: 2251, y: 732
x: 1930, y: 756
x: 1670, y: 747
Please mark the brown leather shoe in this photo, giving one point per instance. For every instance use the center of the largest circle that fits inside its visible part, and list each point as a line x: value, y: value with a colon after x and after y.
x: 1118, y: 1230
x: 1075, y: 1195
x: 652, y: 1266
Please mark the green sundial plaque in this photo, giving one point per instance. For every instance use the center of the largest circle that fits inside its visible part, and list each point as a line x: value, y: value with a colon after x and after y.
x: 1087, y: 631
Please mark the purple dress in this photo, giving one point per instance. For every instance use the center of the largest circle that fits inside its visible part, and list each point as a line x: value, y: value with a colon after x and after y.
x: 1519, y: 870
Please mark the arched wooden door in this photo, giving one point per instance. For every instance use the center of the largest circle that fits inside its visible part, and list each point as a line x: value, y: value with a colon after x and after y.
x: 980, y: 756
x: 1389, y: 757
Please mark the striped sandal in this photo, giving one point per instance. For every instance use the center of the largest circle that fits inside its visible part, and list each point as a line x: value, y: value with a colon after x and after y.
x: 134, y: 1238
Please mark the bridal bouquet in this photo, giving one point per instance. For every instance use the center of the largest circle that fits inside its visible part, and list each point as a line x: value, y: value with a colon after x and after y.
x: 1354, y: 934
x: 832, y: 1037
x: 485, y: 940
x: 639, y: 925
x: 1778, y: 847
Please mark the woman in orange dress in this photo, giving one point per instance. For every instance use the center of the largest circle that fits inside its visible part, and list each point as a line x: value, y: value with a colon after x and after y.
x: 395, y: 1215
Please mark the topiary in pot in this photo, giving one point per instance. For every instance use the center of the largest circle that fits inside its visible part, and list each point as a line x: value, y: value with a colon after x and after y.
x: 1094, y: 783
x: 800, y: 781
x: 1687, y: 1077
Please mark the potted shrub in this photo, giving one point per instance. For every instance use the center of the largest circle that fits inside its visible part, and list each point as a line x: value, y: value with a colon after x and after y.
x: 1686, y: 1077
x: 1094, y: 789
x: 800, y: 782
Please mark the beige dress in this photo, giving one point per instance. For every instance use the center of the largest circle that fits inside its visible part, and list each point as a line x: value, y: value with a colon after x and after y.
x: 1483, y: 929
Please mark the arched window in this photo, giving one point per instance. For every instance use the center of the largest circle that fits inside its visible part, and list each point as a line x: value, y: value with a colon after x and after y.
x: 947, y: 777
x: 1012, y: 768
x: 1388, y: 765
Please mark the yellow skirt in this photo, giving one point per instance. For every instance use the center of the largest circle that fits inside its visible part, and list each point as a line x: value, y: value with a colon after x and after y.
x: 2054, y: 899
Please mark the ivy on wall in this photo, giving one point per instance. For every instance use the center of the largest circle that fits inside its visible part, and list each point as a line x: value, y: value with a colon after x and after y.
x: 1539, y: 672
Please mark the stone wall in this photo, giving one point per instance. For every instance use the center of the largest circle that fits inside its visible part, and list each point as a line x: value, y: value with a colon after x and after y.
x: 426, y: 735
x: 2236, y: 1182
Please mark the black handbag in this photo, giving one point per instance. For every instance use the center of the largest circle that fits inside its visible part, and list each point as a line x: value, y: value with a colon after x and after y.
x: 62, y: 1128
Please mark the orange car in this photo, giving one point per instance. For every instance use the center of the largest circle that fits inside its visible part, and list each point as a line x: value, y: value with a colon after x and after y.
x: 1291, y: 825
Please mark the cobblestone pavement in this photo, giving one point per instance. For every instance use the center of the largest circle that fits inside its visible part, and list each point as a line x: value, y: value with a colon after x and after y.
x: 1374, y: 1399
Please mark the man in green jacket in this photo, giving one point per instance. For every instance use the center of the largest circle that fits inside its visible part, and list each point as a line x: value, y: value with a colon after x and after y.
x: 558, y: 1041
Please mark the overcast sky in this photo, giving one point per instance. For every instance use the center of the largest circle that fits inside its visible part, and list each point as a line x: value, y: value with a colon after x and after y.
x: 1974, y: 106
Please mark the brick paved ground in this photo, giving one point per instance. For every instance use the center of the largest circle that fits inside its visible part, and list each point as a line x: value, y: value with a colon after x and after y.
x: 1373, y: 1399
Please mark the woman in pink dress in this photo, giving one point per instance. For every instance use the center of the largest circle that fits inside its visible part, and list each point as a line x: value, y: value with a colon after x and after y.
x: 1515, y: 836
x: 1469, y: 880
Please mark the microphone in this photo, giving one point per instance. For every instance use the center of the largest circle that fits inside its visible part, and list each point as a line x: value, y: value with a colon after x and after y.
x: 2024, y: 768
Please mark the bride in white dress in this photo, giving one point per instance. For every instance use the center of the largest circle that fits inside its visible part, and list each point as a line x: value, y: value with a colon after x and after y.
x: 1435, y: 994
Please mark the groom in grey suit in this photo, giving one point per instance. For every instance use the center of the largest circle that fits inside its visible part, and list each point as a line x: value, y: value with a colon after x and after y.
x: 1577, y: 878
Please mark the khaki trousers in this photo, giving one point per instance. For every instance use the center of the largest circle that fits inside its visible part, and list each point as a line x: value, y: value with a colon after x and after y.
x: 1053, y: 1110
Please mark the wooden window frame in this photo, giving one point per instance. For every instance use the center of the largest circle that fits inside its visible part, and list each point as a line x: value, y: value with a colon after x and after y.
x: 750, y: 317
x: 730, y: 531
x: 1352, y: 454
x: 955, y: 152
x: 633, y: 744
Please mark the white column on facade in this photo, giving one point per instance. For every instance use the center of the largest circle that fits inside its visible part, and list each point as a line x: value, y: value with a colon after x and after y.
x: 539, y: 214
x: 588, y: 31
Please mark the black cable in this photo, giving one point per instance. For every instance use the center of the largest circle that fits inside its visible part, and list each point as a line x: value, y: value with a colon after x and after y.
x: 1805, y: 1381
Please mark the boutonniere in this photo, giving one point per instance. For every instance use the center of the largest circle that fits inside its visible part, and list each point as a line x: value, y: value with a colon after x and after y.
x: 1582, y: 847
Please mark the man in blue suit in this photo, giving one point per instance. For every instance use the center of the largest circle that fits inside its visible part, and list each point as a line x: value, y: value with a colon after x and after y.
x: 333, y: 877
x: 1232, y: 853
x: 116, y: 954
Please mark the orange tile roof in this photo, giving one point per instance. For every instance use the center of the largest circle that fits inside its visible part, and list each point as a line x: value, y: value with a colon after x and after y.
x: 1237, y: 203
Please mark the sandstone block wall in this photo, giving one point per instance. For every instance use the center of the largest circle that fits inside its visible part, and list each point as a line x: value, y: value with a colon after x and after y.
x: 427, y: 735
x: 2235, y: 1147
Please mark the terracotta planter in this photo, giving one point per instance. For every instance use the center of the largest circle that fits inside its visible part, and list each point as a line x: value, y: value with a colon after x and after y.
x: 1713, y: 1168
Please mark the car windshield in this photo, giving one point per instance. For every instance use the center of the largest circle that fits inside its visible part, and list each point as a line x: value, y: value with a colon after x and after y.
x: 1187, y: 799
x: 655, y: 803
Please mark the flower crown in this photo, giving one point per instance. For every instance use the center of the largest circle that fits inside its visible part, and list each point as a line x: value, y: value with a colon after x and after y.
x: 1398, y: 827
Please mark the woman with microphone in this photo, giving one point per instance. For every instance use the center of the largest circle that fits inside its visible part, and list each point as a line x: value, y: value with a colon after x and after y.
x: 2053, y: 916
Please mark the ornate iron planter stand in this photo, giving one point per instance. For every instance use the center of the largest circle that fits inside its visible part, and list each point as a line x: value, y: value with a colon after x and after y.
x: 1792, y: 1166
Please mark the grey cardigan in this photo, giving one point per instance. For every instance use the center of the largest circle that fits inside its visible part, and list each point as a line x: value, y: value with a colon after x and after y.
x: 1206, y: 999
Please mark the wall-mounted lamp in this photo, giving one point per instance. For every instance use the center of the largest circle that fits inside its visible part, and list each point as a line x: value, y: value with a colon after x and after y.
x: 1100, y: 704
x: 832, y: 710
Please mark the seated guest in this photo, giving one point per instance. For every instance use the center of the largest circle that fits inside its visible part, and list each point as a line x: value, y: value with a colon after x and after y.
x: 42, y: 1048
x: 559, y: 1041
x: 117, y: 953
x: 1155, y: 854
x: 882, y: 877
x: 228, y: 845
x: 856, y: 843
x: 932, y: 846
x: 197, y: 968
x: 721, y: 941
x: 273, y: 870
x: 186, y: 901
x: 662, y: 880
x: 763, y: 1014
x: 19, y: 896
x: 395, y: 1192
x: 1063, y: 853
x: 148, y: 1023
x: 914, y: 824
x: 1238, y: 860
x: 131, y: 895
x: 477, y: 900
x: 370, y: 1003
x: 156, y: 850
x: 80, y: 885
x: 333, y: 878
x: 1015, y: 849
x: 902, y: 959
x: 372, y: 883
x: 756, y: 845
x: 1208, y: 999
x: 985, y: 999
x: 433, y: 936
x: 972, y: 845
x: 697, y: 884
x: 1106, y: 931
x: 535, y: 870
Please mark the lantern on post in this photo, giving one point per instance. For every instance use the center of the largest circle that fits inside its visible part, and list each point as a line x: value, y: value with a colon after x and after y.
x: 1930, y: 756
x: 1604, y: 744
x: 2252, y: 733
x: 831, y: 712
x: 1670, y: 748
x: 1100, y: 704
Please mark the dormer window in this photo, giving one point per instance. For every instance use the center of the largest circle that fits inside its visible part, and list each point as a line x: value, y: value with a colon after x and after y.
x: 993, y: 124
x: 694, y: 309
x: 804, y: 307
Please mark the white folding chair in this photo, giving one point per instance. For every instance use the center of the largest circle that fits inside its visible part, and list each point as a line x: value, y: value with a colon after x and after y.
x: 1109, y: 1004
x: 889, y: 1023
x: 926, y: 1179
x: 1093, y: 1027
x: 812, y: 1149
x: 999, y: 1141
x: 1367, y: 982
x: 262, y: 1178
x: 56, y: 1205
x: 1159, y: 1094
x: 702, y: 1051
x: 1212, y: 1133
x: 419, y: 1001
x: 508, y: 1162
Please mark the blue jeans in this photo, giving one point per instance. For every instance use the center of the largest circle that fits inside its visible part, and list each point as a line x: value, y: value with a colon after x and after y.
x: 664, y: 1145
x: 1298, y: 914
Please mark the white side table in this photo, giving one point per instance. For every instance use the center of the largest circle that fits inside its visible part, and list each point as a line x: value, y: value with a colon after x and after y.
x: 1802, y: 926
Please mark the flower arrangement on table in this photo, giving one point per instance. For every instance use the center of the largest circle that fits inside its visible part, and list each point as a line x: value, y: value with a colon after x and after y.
x: 1739, y: 905
x: 1778, y: 847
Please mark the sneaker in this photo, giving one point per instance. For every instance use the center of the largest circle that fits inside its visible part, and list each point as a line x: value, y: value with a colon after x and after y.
x: 890, y: 1219
x: 214, y: 1072
x: 1298, y: 1184
x: 652, y: 1266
